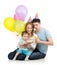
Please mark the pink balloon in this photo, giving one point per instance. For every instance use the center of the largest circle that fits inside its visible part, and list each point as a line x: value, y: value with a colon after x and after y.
x: 21, y: 11
x: 16, y: 17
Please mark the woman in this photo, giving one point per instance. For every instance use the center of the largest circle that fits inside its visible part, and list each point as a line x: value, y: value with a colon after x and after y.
x: 30, y: 29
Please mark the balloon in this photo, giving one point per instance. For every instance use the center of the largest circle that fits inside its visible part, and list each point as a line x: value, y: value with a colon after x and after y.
x: 16, y: 17
x: 9, y: 23
x: 21, y: 11
x: 19, y: 26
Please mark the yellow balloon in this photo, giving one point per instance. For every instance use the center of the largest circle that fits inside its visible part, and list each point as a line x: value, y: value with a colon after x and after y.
x: 19, y: 26
x: 9, y: 23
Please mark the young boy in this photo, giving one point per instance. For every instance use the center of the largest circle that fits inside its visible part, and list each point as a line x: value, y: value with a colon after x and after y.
x: 23, y: 46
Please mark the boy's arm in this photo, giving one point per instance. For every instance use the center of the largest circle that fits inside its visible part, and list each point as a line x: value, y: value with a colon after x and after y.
x: 27, y: 43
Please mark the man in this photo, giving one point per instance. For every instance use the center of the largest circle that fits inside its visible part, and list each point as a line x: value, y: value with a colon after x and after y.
x: 44, y: 40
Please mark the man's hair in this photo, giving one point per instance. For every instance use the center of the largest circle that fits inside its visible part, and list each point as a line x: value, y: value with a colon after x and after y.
x: 36, y: 20
x: 24, y: 32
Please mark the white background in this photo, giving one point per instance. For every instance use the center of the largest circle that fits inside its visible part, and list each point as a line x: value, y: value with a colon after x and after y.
x: 47, y: 12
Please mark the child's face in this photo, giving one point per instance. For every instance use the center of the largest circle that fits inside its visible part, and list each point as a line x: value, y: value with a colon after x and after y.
x: 25, y: 36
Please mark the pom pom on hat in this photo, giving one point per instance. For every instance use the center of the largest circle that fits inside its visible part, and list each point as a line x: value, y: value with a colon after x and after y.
x: 36, y: 16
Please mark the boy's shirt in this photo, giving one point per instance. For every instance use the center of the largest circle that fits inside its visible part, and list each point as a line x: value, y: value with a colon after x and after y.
x: 21, y: 41
x: 32, y: 45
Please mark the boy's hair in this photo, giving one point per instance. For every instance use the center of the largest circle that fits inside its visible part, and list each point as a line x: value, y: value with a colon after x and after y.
x: 24, y: 32
x: 36, y: 20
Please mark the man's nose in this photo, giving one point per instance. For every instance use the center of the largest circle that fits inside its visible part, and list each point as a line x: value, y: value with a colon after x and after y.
x: 35, y: 26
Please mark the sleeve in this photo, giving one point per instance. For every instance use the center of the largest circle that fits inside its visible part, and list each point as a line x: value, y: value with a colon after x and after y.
x: 47, y: 33
x: 20, y: 42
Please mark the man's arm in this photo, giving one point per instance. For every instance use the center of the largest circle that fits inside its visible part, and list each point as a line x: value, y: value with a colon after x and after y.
x: 49, y: 42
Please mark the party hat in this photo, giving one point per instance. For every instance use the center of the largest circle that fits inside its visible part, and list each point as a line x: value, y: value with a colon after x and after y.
x: 29, y: 20
x: 36, y: 16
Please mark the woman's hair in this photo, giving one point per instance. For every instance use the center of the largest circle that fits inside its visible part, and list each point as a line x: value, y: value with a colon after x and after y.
x: 31, y: 25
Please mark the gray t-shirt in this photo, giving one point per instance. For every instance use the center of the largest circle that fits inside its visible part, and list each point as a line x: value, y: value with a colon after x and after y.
x: 43, y: 35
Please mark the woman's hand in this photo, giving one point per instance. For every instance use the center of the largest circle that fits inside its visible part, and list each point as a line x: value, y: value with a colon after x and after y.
x: 23, y: 45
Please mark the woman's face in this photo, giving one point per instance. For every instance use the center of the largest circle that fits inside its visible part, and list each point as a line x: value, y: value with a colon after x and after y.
x: 29, y: 28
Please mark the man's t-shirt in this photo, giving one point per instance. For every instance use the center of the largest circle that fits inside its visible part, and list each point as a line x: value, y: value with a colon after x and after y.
x: 43, y: 35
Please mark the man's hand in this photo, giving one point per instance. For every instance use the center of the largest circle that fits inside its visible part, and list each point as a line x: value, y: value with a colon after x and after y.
x: 49, y: 42
x: 38, y: 40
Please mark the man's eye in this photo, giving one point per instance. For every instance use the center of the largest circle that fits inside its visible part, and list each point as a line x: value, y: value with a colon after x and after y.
x: 36, y: 24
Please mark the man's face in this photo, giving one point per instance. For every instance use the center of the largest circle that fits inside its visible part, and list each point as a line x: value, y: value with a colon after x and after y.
x: 36, y: 25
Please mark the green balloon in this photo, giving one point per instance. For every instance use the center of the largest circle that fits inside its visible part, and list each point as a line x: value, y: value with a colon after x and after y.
x: 19, y: 26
